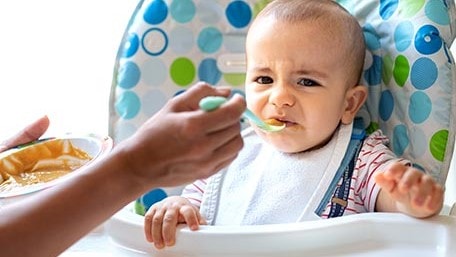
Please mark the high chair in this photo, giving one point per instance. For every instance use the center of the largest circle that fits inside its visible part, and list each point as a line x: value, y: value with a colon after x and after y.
x: 410, y: 74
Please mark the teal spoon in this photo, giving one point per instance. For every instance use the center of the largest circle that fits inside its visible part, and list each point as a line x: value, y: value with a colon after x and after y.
x: 210, y: 103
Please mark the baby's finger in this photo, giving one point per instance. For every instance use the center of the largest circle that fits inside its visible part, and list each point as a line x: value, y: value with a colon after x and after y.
x: 202, y: 220
x: 435, y: 200
x: 410, y: 177
x: 190, y: 216
x: 148, y: 224
x: 170, y: 221
x: 157, y: 225
x: 421, y: 190
x: 385, y: 183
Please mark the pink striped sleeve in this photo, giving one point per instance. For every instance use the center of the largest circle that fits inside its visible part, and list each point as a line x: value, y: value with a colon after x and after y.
x: 375, y: 156
x: 194, y: 192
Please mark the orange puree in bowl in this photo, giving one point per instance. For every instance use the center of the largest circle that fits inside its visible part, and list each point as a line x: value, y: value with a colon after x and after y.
x: 40, y: 163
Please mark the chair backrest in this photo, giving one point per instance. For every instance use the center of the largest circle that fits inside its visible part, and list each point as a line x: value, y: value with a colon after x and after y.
x: 410, y: 72
x: 409, y: 69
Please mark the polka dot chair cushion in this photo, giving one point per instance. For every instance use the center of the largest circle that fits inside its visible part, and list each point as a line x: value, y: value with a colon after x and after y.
x: 409, y: 70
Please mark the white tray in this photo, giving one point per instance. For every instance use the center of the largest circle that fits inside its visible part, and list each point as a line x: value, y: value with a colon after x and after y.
x: 370, y: 234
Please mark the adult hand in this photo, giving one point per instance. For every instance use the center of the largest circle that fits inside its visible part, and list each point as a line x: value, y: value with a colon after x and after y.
x: 182, y: 143
x: 178, y: 145
x: 30, y: 133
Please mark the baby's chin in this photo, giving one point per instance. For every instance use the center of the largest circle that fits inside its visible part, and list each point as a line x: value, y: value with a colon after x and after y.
x: 288, y: 149
x: 285, y: 146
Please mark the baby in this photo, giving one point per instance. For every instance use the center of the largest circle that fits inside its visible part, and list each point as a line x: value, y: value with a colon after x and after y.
x: 304, y: 61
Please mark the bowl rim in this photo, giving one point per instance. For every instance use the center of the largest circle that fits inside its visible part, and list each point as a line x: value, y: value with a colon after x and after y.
x: 105, y: 146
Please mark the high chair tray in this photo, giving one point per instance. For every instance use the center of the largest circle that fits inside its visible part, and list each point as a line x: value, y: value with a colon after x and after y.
x: 370, y: 234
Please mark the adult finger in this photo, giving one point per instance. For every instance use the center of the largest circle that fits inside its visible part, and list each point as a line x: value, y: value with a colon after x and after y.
x: 226, y: 115
x: 221, y: 138
x: 222, y: 157
x: 189, y: 100
x: 30, y: 133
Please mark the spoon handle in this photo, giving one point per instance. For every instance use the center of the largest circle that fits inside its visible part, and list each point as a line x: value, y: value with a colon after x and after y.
x: 210, y: 103
x: 252, y: 117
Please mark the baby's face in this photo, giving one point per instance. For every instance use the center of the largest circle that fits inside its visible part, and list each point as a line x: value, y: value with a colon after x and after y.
x: 295, y: 74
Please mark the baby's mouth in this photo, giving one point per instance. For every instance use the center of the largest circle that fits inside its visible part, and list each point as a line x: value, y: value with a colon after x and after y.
x: 274, y: 122
x: 280, y: 122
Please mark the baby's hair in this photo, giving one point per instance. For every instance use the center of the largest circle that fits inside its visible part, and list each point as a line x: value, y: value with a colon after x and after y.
x: 337, y: 20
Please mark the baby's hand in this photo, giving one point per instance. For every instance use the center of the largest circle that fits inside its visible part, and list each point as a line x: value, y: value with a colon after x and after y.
x: 412, y: 191
x: 162, y: 218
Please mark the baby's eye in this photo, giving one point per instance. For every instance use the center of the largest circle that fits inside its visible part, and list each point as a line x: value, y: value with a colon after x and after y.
x: 307, y: 83
x: 264, y: 80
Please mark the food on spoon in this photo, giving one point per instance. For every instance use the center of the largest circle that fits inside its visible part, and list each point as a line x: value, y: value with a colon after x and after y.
x: 40, y: 163
x: 274, y: 122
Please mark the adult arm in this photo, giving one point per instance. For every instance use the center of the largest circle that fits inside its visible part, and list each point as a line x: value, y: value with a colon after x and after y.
x: 177, y: 145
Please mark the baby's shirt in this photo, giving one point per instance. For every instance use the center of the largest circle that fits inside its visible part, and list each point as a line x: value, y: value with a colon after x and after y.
x: 374, y: 157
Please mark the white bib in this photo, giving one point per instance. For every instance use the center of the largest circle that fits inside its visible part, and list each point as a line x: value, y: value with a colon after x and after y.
x: 265, y: 186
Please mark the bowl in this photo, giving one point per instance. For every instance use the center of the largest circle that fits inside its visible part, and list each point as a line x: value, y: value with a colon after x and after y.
x: 33, y: 167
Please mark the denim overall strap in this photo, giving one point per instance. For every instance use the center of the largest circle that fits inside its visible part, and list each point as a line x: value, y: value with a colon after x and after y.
x: 336, y: 194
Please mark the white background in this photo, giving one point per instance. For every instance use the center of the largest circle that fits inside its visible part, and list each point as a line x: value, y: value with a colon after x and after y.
x: 57, y: 58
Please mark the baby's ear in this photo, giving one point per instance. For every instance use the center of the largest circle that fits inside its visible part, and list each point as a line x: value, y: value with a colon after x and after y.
x: 354, y: 99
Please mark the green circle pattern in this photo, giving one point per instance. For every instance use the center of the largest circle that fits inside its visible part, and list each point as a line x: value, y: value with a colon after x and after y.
x: 387, y: 69
x: 234, y: 79
x: 401, y: 70
x: 182, y: 71
x: 437, y: 145
x: 409, y: 8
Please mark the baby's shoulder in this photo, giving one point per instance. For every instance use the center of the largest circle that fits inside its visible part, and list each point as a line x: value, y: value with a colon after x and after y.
x: 376, y: 140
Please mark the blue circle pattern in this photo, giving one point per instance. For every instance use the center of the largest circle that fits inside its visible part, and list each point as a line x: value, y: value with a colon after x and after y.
x: 210, y: 39
x: 437, y: 12
x: 128, y: 105
x: 164, y: 37
x: 209, y: 72
x: 239, y: 14
x: 182, y: 10
x: 420, y: 107
x: 371, y: 38
x: 128, y: 75
x: 400, y: 139
x: 373, y: 75
x: 403, y: 35
x: 132, y: 45
x: 424, y: 73
x: 386, y: 105
x: 156, y: 12
x: 151, y: 197
x: 427, y: 40
x: 387, y: 8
